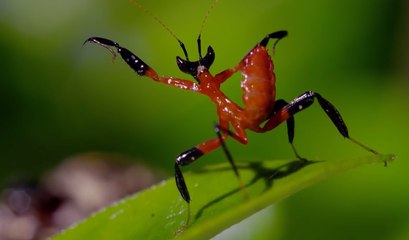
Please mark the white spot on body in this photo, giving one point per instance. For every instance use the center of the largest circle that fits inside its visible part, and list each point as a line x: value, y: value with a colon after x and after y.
x: 195, y: 87
x: 200, y: 68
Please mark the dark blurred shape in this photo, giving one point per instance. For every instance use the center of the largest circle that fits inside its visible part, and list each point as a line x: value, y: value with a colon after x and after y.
x: 79, y: 186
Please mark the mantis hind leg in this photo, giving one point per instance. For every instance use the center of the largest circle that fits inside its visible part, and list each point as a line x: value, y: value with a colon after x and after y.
x: 285, y: 112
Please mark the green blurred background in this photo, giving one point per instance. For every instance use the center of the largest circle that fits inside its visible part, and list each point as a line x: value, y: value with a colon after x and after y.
x: 58, y: 98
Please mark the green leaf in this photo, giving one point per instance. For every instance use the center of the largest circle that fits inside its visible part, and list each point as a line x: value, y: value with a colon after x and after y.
x: 217, y: 200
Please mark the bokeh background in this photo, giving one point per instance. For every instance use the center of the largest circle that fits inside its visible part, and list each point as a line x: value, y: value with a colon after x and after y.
x: 59, y: 98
